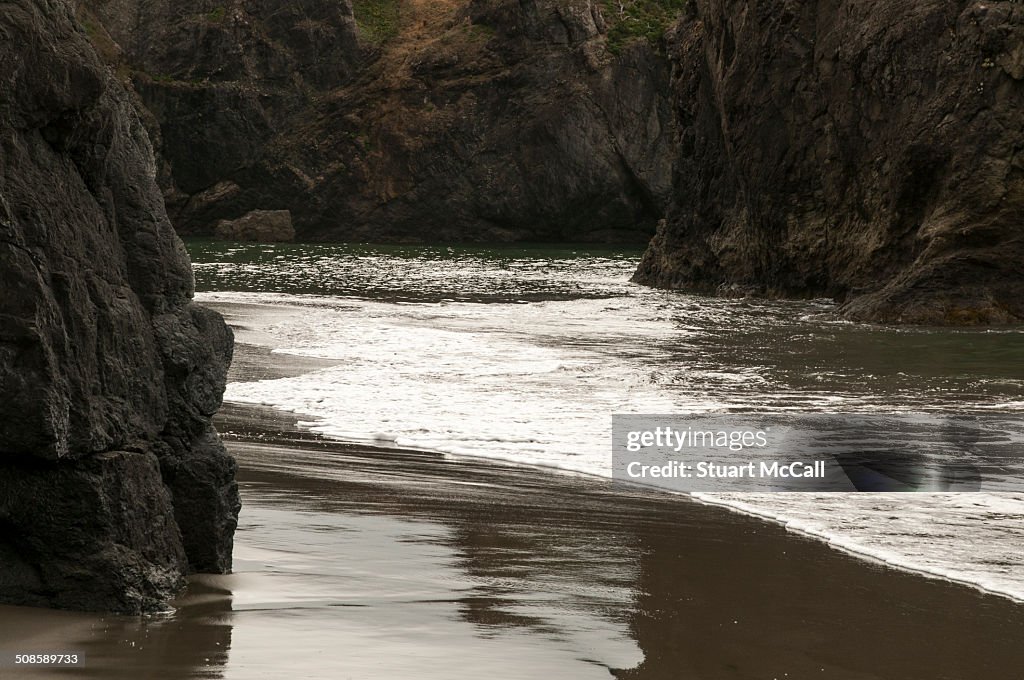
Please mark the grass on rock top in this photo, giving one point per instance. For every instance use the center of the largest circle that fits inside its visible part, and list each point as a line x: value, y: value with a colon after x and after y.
x: 631, y: 20
x: 377, y: 20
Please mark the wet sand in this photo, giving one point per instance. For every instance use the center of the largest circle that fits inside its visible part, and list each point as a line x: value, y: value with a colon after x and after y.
x: 355, y: 562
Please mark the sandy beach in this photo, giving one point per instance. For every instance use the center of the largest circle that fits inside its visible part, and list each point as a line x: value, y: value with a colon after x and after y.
x: 358, y: 562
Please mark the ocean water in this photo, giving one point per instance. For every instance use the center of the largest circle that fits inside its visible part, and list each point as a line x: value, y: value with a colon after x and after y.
x: 522, y: 354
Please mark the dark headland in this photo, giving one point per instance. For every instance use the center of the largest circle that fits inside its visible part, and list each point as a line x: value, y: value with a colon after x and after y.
x: 113, y: 484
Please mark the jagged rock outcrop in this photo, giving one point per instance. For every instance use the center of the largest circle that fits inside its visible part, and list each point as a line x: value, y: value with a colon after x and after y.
x: 461, y: 120
x: 873, y: 152
x: 258, y: 225
x: 113, y: 484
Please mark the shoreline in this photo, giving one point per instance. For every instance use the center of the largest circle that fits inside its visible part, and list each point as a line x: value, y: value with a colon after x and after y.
x: 858, y: 553
x: 237, y: 413
x: 255, y: 361
x: 380, y: 563
x: 784, y: 585
x: 299, y: 434
x: 927, y: 548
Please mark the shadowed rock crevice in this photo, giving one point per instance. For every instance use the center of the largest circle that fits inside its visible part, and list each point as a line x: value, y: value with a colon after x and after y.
x: 108, y: 373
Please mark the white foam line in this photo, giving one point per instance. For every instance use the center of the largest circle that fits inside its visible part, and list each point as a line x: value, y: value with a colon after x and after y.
x: 854, y: 549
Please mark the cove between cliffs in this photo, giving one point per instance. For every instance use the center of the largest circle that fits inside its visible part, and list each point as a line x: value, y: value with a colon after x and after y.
x: 872, y: 156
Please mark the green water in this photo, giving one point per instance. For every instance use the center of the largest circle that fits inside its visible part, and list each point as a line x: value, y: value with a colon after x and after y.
x: 509, y: 273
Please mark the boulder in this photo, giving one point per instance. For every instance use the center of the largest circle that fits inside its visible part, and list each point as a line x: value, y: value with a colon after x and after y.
x: 259, y: 225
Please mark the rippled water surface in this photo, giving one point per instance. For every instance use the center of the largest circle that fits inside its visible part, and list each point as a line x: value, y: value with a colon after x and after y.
x: 523, y: 354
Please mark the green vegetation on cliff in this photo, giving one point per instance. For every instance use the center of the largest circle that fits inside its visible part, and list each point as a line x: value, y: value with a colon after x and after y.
x: 630, y: 20
x: 377, y: 20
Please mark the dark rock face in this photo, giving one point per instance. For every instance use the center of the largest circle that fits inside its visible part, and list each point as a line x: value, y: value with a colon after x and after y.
x: 258, y: 225
x: 485, y: 120
x: 506, y: 122
x: 108, y: 373
x: 97, y: 534
x: 218, y: 81
x: 867, y: 151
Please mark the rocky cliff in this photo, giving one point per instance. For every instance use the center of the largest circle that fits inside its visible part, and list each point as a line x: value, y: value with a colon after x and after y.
x: 493, y: 120
x: 451, y: 120
x: 840, y: 148
x: 871, y: 152
x: 113, y: 484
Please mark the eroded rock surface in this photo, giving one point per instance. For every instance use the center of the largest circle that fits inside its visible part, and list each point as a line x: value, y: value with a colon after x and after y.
x: 108, y: 372
x: 872, y: 152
